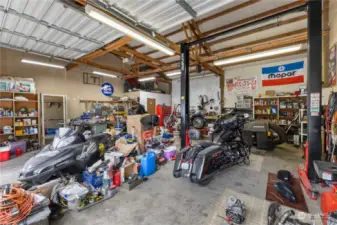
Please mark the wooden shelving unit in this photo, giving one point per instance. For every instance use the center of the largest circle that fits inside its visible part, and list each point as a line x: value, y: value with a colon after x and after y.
x: 9, y: 102
x: 278, y: 108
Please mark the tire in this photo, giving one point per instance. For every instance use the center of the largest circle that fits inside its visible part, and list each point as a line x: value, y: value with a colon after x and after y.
x: 205, y: 182
x: 280, y: 132
x: 198, y: 122
x: 176, y: 174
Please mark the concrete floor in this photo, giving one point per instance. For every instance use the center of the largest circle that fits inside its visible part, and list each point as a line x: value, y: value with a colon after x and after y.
x: 166, y: 200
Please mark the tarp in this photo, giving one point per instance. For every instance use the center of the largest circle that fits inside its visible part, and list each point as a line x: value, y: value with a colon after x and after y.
x: 291, y: 73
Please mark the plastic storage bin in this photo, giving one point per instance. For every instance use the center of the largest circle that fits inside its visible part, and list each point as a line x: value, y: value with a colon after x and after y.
x: 4, y: 153
x: 148, y: 163
x: 22, y: 144
x: 50, y: 131
x: 92, y: 179
x: 73, y: 194
x: 169, y: 152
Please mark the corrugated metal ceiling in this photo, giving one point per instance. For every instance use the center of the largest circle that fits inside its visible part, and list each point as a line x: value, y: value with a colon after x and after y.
x: 52, y: 28
x: 165, y: 14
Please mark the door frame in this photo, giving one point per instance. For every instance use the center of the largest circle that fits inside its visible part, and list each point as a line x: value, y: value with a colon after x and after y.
x: 65, y: 114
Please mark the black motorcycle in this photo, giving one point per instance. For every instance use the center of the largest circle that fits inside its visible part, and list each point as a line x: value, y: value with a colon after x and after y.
x: 200, y: 162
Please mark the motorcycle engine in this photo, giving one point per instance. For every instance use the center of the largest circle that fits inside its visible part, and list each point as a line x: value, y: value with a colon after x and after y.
x: 236, y: 210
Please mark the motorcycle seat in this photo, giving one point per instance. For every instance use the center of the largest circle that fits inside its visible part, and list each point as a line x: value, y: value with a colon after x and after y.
x: 206, y: 144
x: 326, y: 170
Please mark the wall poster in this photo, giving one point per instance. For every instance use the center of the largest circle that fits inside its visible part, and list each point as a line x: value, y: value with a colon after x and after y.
x: 241, y: 84
x: 332, y: 67
x: 291, y: 73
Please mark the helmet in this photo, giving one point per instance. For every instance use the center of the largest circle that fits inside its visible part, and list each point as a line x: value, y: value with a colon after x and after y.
x: 11, y: 138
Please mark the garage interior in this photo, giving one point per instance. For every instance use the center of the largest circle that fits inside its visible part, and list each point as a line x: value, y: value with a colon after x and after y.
x: 168, y: 112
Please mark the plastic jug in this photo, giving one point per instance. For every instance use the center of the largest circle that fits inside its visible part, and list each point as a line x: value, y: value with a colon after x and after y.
x: 148, y: 163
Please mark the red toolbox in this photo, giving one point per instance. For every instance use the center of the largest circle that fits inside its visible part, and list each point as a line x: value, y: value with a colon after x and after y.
x: 162, y: 111
x: 4, y: 153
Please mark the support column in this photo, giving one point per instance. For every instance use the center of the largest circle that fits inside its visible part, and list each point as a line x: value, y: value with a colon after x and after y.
x: 314, y: 85
x: 222, y: 92
x: 185, y: 91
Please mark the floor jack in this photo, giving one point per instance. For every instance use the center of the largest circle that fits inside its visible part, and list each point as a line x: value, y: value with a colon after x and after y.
x: 327, y: 173
x: 303, y: 175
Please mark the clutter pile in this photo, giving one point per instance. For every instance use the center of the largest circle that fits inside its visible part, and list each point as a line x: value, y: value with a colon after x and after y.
x: 18, y: 206
x: 94, y: 165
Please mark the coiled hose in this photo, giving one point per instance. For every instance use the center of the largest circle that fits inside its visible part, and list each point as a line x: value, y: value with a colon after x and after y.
x: 15, y: 205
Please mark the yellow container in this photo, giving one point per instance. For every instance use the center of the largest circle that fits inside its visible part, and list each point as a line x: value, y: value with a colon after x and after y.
x: 18, y: 132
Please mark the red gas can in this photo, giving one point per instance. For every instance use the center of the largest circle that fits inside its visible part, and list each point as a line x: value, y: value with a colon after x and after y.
x: 18, y: 152
x: 117, y: 178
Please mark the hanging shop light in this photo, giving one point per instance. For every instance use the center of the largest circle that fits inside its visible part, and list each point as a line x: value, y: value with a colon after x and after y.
x: 42, y: 63
x: 146, y: 79
x: 258, y: 55
x: 104, y: 74
x: 174, y: 73
x: 129, y: 31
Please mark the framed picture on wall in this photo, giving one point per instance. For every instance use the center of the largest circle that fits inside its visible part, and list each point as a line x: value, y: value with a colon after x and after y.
x: 332, y: 67
x: 92, y: 79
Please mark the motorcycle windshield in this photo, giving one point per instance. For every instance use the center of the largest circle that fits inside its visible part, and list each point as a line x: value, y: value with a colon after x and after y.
x: 64, y: 136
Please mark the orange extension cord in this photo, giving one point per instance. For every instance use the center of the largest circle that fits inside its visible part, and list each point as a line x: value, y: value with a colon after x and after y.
x: 17, y: 198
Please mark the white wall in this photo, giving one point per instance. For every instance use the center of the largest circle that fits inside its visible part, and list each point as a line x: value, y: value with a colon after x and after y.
x: 160, y: 98
x: 208, y: 86
x: 255, y: 69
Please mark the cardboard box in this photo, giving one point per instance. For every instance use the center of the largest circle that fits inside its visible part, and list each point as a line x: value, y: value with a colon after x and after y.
x: 270, y: 93
x: 128, y: 170
x: 125, y: 148
x: 134, y: 121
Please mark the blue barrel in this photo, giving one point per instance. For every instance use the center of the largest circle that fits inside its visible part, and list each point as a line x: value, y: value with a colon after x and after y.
x: 148, y: 163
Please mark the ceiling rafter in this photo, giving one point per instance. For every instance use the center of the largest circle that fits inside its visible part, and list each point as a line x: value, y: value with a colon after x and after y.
x: 298, y: 39
x: 108, y: 68
x: 249, y: 45
x: 142, y: 56
x: 171, y: 44
x: 267, y: 58
x: 222, y: 13
x: 134, y: 58
x: 99, y: 52
x: 251, y: 32
x: 293, y: 40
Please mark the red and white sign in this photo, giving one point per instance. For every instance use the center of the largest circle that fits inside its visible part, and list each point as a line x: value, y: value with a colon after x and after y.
x: 291, y: 73
x: 240, y: 85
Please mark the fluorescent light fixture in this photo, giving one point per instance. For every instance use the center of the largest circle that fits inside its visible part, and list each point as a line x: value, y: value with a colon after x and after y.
x: 146, y: 79
x: 104, y: 74
x: 41, y: 63
x: 258, y: 55
x: 170, y: 74
x: 129, y: 31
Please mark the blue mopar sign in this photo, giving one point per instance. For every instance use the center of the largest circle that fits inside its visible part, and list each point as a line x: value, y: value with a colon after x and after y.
x: 107, y: 89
